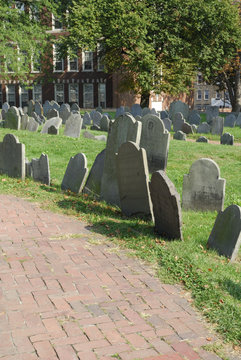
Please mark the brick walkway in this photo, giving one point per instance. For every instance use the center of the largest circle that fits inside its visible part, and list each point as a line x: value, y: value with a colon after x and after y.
x: 78, y: 297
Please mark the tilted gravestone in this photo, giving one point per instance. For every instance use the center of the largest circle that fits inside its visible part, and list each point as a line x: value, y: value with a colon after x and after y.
x: 155, y: 140
x: 73, y: 126
x: 88, y: 135
x: 178, y: 106
x: 24, y: 122
x: 86, y: 118
x: 136, y: 110
x: 180, y: 135
x: 217, y: 125
x: 37, y: 117
x: 211, y: 113
x: 64, y: 112
x: 75, y: 174
x: 53, y: 130
x: 166, y: 206
x: 230, y: 120
x: 178, y: 121
x: 227, y: 139
x: 167, y: 123
x: 204, y: 128
x: 32, y: 125
x: 99, y: 109
x: 38, y: 108
x: 12, y: 157
x: 124, y: 128
x: 55, y: 105
x: 133, y: 180
x: 226, y: 233
x: 31, y: 106
x: 104, y: 123
x: 194, y: 117
x: 40, y: 169
x: 56, y: 121
x: 202, y: 139
x: 13, y: 119
x: 187, y: 128
x: 93, y: 182
x: 52, y: 113
x: 203, y: 189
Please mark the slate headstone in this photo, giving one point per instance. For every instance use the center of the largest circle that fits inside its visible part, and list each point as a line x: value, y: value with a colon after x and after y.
x: 32, y: 125
x: 55, y: 105
x: 13, y: 119
x: 120, y: 111
x: 12, y: 157
x: 238, y: 120
x: 230, y: 120
x: 53, y: 130
x: 145, y: 111
x: 164, y: 114
x: 52, y: 113
x: 64, y: 112
x: 178, y: 121
x: 86, y: 118
x: 217, y: 125
x: 186, y: 128
x: 5, y: 107
x: 167, y: 123
x: 180, y: 135
x: 31, y: 106
x: 75, y: 174
x: 40, y: 169
x: 166, y: 206
x: 211, y: 113
x: 38, y: 108
x: 178, y: 106
x: 194, y: 117
x: 204, y: 128
x: 93, y: 182
x: 73, y: 126
x: 75, y: 106
x: 227, y: 139
x: 46, y: 107
x: 96, y: 117
x: 202, y: 139
x: 136, y: 110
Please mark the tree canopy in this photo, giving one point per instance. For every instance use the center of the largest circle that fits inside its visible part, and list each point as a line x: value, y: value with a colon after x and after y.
x: 156, y: 44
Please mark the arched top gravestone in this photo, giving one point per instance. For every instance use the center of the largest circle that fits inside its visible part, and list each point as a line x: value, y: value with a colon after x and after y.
x: 12, y: 157
x: 73, y: 126
x: 75, y: 174
x: 203, y: 189
x: 56, y: 121
x: 13, y: 119
x: 178, y: 106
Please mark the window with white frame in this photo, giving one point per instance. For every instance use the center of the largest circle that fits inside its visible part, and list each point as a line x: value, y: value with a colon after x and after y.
x: 199, y: 95
x: 87, y: 61
x: 88, y: 96
x: 206, y: 94
x: 72, y: 64
x: 73, y: 93
x: 11, y: 96
x: 37, y: 93
x: 36, y: 63
x: 57, y: 24
x: 59, y: 93
x: 58, y: 61
x: 24, y: 98
x: 102, y: 95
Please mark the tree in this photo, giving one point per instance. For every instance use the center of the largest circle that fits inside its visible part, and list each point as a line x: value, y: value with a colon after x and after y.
x: 155, y: 44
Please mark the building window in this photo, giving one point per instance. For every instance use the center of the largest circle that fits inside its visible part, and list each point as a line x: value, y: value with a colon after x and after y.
x: 88, y: 96
x: 11, y: 97
x: 206, y: 94
x: 37, y: 93
x: 59, y: 93
x: 58, y: 61
x: 199, y: 95
x: 36, y: 63
x: 1, y: 96
x: 57, y: 24
x: 73, y: 62
x: 102, y: 95
x: 23, y: 96
x: 87, y: 61
x: 73, y: 93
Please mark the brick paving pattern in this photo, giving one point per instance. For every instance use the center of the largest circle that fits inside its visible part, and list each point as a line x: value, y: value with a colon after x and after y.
x: 75, y: 297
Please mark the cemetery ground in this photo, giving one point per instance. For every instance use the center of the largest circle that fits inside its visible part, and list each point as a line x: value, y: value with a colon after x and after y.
x: 213, y: 282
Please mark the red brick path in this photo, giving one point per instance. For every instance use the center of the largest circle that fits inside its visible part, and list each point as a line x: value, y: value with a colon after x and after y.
x: 67, y: 298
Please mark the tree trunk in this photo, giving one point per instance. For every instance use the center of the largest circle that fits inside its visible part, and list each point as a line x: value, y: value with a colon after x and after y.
x: 145, y: 99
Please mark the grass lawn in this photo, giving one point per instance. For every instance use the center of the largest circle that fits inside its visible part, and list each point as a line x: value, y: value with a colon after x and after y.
x: 213, y: 282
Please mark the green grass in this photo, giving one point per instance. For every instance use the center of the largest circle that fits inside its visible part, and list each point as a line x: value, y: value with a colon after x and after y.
x: 213, y: 282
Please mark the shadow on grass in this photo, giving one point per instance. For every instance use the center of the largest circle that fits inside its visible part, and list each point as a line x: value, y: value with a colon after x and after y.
x: 233, y: 288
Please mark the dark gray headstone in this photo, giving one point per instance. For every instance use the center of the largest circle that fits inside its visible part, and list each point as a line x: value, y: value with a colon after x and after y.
x: 55, y: 105
x: 13, y: 119
x: 179, y: 135
x: 187, y: 128
x: 53, y: 130
x: 178, y: 106
x: 194, y: 117
x: 227, y: 139
x: 52, y: 113
x: 211, y: 112
x: 38, y: 108
x: 31, y: 106
x: 46, y: 107
x: 225, y: 236
x: 86, y: 118
x: 99, y: 109
x: 40, y: 169
x: 136, y: 110
x: 238, y: 120
x: 75, y: 174
x: 75, y: 107
x: 164, y: 114
x: 166, y: 206
x: 12, y: 157
x: 96, y: 117
x: 217, y: 125
x: 3, y: 113
x: 145, y: 111
x: 133, y: 180
x: 202, y: 139
x: 104, y: 123
x: 203, y: 128
x: 167, y: 123
x: 93, y: 183
x: 230, y: 120
x: 5, y: 107
x: 178, y: 121
x: 36, y: 117
x: 120, y: 111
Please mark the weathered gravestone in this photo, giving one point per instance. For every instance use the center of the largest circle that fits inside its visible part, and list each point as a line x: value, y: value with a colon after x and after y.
x: 24, y: 122
x: 12, y: 157
x: 100, y: 137
x: 99, y: 109
x: 46, y: 107
x: 93, y: 182
x: 178, y: 106
x: 217, y: 125
x: 227, y: 139
x: 3, y: 114
x: 178, y: 121
x: 104, y: 123
x: 155, y: 140
x: 31, y: 106
x: 138, y: 117
x: 20, y: 110
x: 13, y: 119
x: 75, y: 106
x: 32, y: 125
x: 124, y: 128
x: 36, y: 117
x: 136, y: 110
x: 96, y: 117
x: 73, y: 126
x: 238, y: 120
x: 95, y: 127
x: 230, y: 120
x: 56, y: 121
x: 75, y: 174
x: 38, y: 108
x: 167, y: 123
x: 86, y: 118
x: 133, y: 180
x: 194, y: 117
x: 145, y: 111
x: 166, y: 206
x: 164, y: 114
x: 202, y: 139
x: 121, y: 111
x: 187, y: 128
x: 54, y: 105
x: 226, y: 233
x: 179, y: 135
x: 40, y: 169
x: 52, y: 113
x: 88, y: 135
x: 203, y: 128
x: 53, y: 130
x: 5, y: 107
x: 211, y: 113
x: 203, y: 189
x: 64, y: 112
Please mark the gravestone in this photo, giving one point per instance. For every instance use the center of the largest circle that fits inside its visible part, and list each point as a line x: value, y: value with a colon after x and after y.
x: 179, y: 135
x: 155, y: 140
x: 100, y: 138
x: 194, y: 117
x: 167, y: 123
x: 24, y: 122
x: 178, y: 121
x: 54, y: 105
x: 5, y: 107
x: 64, y: 112
x: 36, y: 117
x: 56, y: 121
x: 202, y: 139
x: 32, y: 125
x: 138, y: 117
x: 186, y: 128
x: 178, y: 106
x: 73, y: 126
x: 40, y: 169
x: 203, y: 128
x: 133, y: 180
x: 31, y: 106
x: 75, y: 106
x: 86, y: 118
x: 53, y: 130
x: 75, y: 174
x: 95, y: 127
x: 3, y: 113
x: 203, y: 189
x: 145, y: 111
x: 211, y: 113
x: 225, y: 236
x: 93, y: 182
x: 238, y: 120
x: 46, y: 107
x: 52, y: 113
x: 230, y: 120
x: 120, y: 111
x: 166, y: 206
x: 164, y: 114
x: 136, y: 110
x: 99, y: 109
x: 12, y: 157
x: 124, y: 128
x: 217, y: 125
x: 38, y: 108
x: 88, y: 135
x: 96, y: 117
x: 227, y: 139
x: 104, y: 123
x: 20, y: 110
x: 13, y: 119
x: 155, y: 112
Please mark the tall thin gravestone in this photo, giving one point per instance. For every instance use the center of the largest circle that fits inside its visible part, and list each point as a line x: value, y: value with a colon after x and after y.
x: 75, y: 174
x: 12, y: 157
x: 93, y: 182
x: 40, y: 169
